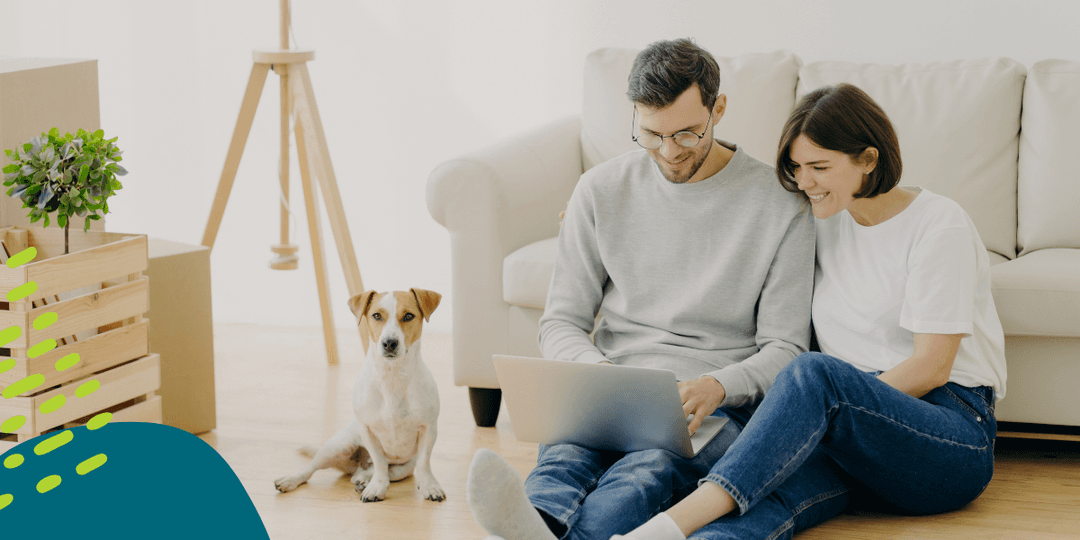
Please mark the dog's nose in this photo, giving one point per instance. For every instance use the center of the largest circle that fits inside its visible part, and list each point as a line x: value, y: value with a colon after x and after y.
x: 390, y: 345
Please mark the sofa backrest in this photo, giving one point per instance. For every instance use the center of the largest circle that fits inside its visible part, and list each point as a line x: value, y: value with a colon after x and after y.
x: 959, y: 128
x: 760, y: 90
x: 958, y: 122
x: 1048, y: 190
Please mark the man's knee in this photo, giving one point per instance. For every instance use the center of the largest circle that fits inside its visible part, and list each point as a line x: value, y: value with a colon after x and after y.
x: 559, y: 452
x: 645, y: 468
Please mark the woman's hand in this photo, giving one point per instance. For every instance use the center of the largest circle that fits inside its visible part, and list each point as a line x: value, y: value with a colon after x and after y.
x: 700, y: 397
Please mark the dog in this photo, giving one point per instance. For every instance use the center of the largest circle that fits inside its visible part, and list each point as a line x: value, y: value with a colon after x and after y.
x: 395, y: 401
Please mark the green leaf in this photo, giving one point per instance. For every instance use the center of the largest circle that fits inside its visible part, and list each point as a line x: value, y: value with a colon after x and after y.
x: 54, y: 132
x: 46, y: 225
x: 86, y: 226
x: 99, y: 134
x: 95, y: 217
x: 62, y: 220
x: 11, y: 168
x: 83, y: 171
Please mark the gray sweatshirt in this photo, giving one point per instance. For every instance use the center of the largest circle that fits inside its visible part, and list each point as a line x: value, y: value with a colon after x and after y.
x: 713, y: 277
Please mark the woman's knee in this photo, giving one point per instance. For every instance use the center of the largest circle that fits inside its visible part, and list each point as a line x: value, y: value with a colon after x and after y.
x: 812, y: 368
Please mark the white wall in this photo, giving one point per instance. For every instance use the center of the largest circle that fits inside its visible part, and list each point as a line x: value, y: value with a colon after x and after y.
x: 403, y: 86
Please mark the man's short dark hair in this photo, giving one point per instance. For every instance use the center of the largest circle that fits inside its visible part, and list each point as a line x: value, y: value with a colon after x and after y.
x: 666, y: 69
x: 845, y: 119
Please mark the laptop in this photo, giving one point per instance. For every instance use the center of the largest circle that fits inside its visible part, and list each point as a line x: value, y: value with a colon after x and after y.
x: 604, y: 407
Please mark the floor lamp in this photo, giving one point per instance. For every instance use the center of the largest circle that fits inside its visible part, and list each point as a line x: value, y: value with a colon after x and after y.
x: 297, y: 102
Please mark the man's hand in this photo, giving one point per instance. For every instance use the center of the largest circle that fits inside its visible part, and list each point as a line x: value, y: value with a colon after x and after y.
x: 700, y: 397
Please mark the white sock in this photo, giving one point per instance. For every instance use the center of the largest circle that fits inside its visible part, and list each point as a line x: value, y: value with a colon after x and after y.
x: 496, y: 496
x: 660, y: 527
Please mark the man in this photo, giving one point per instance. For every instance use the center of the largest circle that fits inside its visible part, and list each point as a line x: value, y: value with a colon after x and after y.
x: 700, y: 263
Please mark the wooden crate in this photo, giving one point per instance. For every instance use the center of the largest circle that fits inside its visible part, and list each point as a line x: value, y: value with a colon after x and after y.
x: 97, y: 296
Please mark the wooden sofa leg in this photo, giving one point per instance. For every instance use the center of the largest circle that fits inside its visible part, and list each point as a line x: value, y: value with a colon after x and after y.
x: 485, y: 405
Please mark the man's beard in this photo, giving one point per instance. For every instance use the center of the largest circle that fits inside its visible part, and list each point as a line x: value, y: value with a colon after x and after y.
x: 694, y: 167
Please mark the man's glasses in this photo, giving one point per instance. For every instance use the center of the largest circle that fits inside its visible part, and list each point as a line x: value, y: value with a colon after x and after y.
x: 652, y: 141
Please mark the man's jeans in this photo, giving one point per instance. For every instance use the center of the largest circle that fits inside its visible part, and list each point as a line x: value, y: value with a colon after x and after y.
x: 597, y: 494
x: 916, y: 456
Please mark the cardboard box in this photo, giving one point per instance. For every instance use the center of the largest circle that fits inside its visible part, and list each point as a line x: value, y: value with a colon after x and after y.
x: 36, y: 95
x: 182, y: 332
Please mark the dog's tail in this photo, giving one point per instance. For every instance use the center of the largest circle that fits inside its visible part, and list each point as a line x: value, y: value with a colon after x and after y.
x: 348, y: 465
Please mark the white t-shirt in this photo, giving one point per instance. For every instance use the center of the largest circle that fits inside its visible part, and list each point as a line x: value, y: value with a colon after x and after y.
x: 923, y: 271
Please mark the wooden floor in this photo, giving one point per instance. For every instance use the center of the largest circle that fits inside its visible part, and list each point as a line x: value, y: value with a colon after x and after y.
x: 275, y: 392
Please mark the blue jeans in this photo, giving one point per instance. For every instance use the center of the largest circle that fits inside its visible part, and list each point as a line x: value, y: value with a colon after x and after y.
x: 597, y: 494
x: 826, y: 431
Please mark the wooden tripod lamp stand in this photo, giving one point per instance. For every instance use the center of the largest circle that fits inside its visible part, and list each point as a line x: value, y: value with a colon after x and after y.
x: 297, y: 101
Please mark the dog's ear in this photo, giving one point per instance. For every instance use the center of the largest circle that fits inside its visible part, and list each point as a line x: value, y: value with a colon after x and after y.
x: 360, y: 303
x: 427, y: 300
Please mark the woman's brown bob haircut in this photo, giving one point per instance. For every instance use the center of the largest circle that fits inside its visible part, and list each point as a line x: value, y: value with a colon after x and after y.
x: 843, y: 118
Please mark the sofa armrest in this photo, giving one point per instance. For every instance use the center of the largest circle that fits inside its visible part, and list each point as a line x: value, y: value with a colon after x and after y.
x: 493, y: 202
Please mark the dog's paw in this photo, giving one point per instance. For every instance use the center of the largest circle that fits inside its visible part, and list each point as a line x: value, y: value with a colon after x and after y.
x: 286, y: 484
x: 431, y: 491
x: 375, y: 491
x: 361, y: 478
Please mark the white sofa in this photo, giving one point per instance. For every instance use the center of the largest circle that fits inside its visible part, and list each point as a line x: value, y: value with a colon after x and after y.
x: 993, y: 135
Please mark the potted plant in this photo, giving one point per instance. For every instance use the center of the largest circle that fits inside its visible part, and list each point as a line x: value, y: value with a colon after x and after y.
x: 73, y: 175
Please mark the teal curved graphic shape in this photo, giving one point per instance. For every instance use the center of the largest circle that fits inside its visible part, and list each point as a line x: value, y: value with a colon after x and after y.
x: 158, y: 482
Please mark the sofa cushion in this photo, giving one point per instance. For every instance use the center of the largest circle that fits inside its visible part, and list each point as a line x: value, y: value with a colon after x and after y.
x: 1048, y: 185
x: 527, y: 274
x: 760, y: 94
x: 1038, y: 294
x: 958, y: 123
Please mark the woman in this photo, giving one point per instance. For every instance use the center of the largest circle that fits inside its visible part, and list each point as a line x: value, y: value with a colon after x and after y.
x: 899, y: 406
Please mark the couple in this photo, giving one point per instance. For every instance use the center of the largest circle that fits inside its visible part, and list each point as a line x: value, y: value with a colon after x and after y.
x: 704, y: 264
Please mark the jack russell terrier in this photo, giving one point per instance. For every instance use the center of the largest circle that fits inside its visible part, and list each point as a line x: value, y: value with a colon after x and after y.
x: 395, y: 401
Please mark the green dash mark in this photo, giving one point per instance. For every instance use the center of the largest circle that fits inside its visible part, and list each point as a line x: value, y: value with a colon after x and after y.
x: 45, y: 320
x: 66, y: 362
x: 22, y: 291
x: 87, y: 388
x: 7, y: 365
x: 13, y: 423
x: 9, y: 334
x: 22, y: 257
x: 91, y: 464
x: 5, y: 500
x: 99, y: 421
x: 54, y: 442
x: 53, y: 404
x: 24, y: 386
x: 14, y: 460
x: 41, y: 348
x: 48, y: 483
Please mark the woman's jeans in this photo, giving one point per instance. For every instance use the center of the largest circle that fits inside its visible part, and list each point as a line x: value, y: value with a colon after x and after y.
x: 825, y: 427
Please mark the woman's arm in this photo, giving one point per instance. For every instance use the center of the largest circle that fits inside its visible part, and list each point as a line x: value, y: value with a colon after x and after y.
x: 928, y: 367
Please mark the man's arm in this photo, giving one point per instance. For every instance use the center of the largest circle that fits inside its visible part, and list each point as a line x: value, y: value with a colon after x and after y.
x: 577, y: 286
x: 783, y: 316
